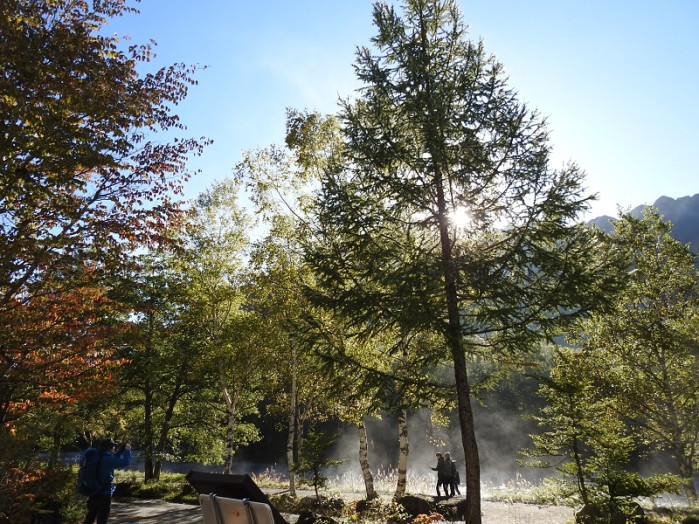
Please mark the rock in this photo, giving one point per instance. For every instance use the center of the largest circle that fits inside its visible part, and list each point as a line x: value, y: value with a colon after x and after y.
x: 307, y: 503
x: 588, y: 514
x: 453, y: 509
x: 415, y: 505
x: 362, y: 505
x: 307, y: 517
x: 634, y: 513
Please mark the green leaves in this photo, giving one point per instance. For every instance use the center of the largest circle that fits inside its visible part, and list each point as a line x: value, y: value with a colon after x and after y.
x: 637, y: 359
x: 435, y: 129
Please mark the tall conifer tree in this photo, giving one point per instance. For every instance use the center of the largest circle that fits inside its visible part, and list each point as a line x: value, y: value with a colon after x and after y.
x: 434, y: 133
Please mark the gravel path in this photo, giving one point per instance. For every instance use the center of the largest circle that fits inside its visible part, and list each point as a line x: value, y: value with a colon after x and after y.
x: 518, y: 513
x: 157, y: 512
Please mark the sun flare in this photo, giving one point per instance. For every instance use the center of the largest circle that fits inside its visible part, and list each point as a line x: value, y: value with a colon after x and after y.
x: 461, y: 218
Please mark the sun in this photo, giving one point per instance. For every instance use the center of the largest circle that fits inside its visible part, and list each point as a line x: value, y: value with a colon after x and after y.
x: 461, y: 218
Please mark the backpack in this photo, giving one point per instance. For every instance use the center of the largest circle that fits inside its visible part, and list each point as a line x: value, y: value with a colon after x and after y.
x: 88, y: 479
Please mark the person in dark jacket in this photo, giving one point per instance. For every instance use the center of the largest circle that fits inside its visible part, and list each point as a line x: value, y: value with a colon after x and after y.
x: 440, y: 469
x: 100, y: 505
x: 452, y: 475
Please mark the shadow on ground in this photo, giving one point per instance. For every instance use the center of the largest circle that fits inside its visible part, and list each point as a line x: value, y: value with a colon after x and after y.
x: 151, y: 512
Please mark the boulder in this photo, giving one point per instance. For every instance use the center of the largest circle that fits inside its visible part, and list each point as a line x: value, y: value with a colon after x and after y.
x: 596, y: 513
x: 453, y: 509
x: 307, y: 517
x: 415, y: 505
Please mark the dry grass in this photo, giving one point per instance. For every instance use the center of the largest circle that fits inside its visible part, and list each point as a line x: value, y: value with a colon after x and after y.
x: 385, y: 479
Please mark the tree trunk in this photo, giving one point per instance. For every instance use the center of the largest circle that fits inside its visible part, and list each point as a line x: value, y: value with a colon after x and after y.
x: 231, y: 407
x: 291, y: 437
x: 687, y: 473
x: 55, y: 448
x: 148, y: 402
x: 149, y: 436
x: 579, y: 471
x: 468, y: 439
x: 456, y: 346
x: 364, y: 462
x: 167, y: 419
x: 299, y: 434
x: 403, y: 454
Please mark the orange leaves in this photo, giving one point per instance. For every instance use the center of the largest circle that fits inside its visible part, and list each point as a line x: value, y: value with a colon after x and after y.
x: 428, y: 519
x: 57, y: 348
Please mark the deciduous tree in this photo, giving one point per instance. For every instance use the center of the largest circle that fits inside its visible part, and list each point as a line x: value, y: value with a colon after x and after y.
x: 163, y: 388
x: 280, y: 180
x: 588, y: 442
x: 644, y: 351
x: 228, y: 330
x: 81, y: 184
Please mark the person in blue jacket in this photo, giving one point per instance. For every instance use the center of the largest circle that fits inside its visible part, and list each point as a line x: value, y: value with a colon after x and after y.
x: 100, y: 505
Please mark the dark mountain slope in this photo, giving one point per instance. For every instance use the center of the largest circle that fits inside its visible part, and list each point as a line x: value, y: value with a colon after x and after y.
x: 683, y: 212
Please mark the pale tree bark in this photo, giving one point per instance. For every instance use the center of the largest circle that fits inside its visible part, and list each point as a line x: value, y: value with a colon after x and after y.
x: 364, y: 461
x: 684, y: 449
x: 402, y: 455
x: 291, y: 436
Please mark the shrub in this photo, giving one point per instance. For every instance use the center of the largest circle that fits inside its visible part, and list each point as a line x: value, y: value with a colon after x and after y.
x: 170, y: 487
x: 39, y: 495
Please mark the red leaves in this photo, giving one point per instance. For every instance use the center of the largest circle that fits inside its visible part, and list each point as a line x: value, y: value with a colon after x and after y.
x: 57, y: 348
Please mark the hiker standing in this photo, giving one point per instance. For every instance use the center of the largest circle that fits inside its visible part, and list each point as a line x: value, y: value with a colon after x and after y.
x: 440, y: 469
x: 448, y: 475
x: 453, y: 477
x: 99, y: 505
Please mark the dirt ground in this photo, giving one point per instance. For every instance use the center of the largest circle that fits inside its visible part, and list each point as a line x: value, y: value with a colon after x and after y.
x: 156, y: 512
x: 517, y: 513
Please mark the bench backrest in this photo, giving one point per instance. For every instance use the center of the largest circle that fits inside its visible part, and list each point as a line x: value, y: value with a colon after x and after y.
x: 222, y: 510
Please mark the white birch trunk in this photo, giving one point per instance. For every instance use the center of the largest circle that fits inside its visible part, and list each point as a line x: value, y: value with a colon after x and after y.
x: 364, y: 462
x: 403, y: 454
x: 231, y: 406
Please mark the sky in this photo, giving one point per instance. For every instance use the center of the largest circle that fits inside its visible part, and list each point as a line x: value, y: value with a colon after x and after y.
x: 617, y: 81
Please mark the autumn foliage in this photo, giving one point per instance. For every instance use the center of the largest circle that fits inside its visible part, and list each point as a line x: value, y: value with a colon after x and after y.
x: 82, y: 187
x: 59, y: 348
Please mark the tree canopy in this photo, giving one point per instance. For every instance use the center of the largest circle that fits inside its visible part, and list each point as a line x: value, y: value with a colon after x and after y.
x: 643, y: 352
x: 82, y: 186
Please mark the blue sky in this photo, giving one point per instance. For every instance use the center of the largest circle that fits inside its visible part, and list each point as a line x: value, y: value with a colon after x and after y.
x: 617, y: 80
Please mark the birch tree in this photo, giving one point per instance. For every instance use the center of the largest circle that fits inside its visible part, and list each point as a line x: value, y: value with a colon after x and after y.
x: 233, y: 345
x: 278, y: 181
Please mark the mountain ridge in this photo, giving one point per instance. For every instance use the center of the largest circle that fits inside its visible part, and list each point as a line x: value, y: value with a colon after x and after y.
x: 682, y: 212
